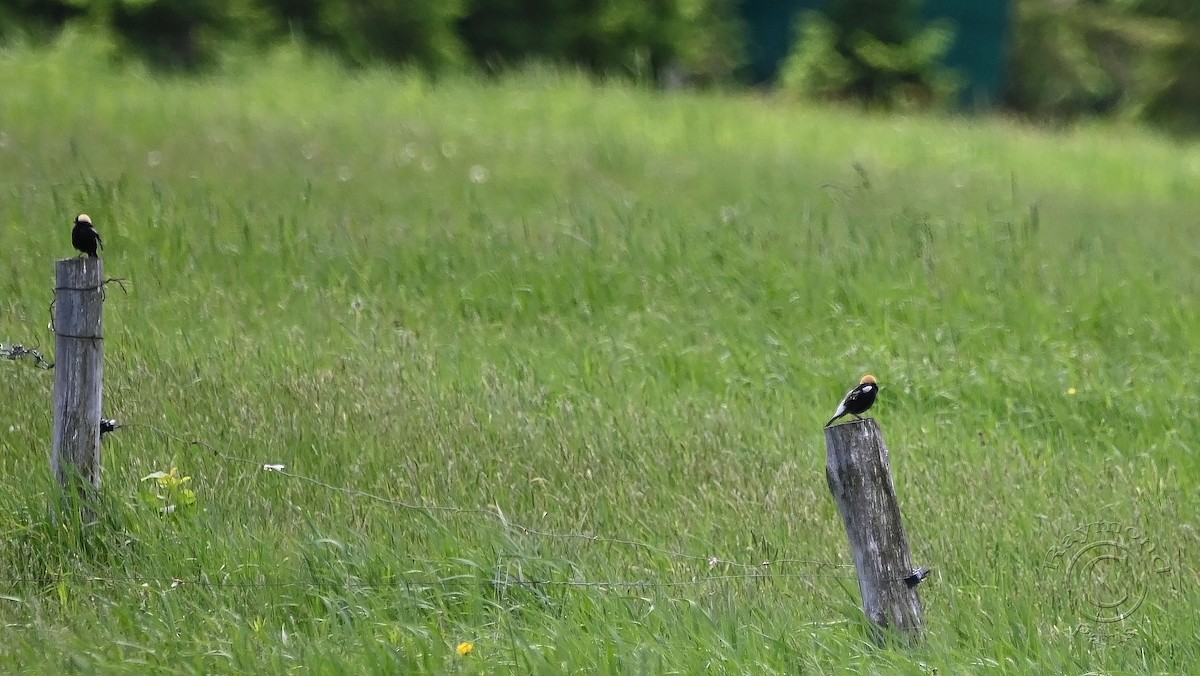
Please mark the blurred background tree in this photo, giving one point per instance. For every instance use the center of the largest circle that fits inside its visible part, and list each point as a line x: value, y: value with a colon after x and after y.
x: 871, y: 51
x: 1171, y: 93
x: 1134, y: 59
x: 631, y: 37
x: 418, y: 32
x: 1137, y: 59
x: 643, y: 38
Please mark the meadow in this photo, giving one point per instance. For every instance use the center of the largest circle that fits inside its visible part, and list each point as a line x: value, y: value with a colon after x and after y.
x: 546, y: 361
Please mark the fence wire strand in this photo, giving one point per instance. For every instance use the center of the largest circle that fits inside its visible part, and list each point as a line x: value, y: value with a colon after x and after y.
x: 753, y: 572
x: 711, y: 561
x: 17, y: 351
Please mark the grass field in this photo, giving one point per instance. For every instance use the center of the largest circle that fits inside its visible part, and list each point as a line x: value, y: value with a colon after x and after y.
x: 581, y: 308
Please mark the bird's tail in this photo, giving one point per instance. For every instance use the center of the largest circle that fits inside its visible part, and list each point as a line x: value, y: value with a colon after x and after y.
x: 832, y: 419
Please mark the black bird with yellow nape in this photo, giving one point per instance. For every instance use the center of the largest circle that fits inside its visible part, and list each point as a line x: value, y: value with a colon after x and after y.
x: 857, y: 400
x: 85, y: 237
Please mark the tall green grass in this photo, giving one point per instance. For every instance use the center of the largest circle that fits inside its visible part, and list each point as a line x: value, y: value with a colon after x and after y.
x: 585, y: 308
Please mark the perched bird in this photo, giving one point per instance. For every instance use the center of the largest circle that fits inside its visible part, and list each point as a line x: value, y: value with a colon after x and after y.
x: 85, y: 237
x: 858, y: 399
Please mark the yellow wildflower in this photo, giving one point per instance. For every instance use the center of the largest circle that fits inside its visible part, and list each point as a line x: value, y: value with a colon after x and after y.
x: 465, y: 648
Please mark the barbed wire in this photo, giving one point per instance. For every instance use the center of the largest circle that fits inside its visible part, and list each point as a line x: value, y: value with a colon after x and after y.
x: 497, y: 514
x: 102, y: 288
x: 498, y: 580
x: 752, y: 572
x: 52, y: 183
x: 17, y: 351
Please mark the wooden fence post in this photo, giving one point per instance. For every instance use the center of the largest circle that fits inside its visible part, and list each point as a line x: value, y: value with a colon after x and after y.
x: 78, y: 371
x: 860, y: 479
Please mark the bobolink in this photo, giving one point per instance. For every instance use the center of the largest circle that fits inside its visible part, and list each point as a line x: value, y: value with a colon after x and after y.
x: 858, y: 399
x: 85, y: 237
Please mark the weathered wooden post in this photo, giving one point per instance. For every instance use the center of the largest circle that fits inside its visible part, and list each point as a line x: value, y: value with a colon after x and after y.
x: 78, y: 371
x: 860, y: 479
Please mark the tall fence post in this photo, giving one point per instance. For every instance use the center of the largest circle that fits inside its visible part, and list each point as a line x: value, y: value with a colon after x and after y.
x: 78, y: 371
x: 860, y: 479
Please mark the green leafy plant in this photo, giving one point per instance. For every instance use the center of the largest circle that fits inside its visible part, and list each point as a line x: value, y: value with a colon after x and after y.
x: 168, y: 491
